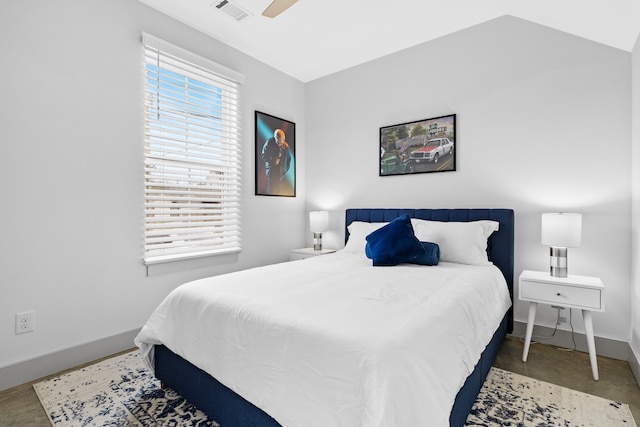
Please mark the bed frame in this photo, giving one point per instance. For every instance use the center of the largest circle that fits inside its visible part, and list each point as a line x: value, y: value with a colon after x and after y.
x: 231, y: 410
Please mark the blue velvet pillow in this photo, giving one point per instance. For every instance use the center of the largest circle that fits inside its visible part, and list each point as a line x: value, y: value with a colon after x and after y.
x: 431, y: 256
x: 394, y: 243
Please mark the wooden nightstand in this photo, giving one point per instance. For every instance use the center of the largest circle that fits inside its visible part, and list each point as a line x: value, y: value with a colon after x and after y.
x: 582, y: 292
x: 308, y: 253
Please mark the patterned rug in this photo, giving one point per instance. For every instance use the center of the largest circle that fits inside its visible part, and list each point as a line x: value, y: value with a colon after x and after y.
x: 121, y: 391
x: 508, y: 399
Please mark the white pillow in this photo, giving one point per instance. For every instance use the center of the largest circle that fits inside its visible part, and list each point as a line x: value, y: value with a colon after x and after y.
x: 358, y: 232
x: 461, y: 242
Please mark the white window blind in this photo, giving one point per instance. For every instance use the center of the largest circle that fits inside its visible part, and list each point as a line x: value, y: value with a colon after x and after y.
x: 192, y: 155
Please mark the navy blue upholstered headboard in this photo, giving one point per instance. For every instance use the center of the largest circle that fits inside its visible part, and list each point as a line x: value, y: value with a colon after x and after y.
x: 500, y: 248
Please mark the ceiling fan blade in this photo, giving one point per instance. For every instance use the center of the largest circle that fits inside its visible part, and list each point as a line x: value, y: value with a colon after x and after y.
x: 277, y: 7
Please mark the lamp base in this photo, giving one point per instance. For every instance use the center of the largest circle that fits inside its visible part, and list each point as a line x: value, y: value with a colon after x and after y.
x: 317, y: 241
x: 558, y: 262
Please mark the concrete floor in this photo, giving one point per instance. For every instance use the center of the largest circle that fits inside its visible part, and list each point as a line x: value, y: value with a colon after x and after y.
x: 20, y: 407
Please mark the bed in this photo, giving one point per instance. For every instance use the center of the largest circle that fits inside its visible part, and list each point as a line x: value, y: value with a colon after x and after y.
x: 384, y: 391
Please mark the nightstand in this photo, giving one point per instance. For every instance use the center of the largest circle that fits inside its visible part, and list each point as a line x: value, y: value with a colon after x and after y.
x: 582, y: 292
x: 297, y: 254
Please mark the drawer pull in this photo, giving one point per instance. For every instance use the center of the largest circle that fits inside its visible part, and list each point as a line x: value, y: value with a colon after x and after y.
x: 558, y: 294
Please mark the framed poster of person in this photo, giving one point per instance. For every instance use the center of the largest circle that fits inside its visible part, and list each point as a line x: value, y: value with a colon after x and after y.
x: 275, y: 145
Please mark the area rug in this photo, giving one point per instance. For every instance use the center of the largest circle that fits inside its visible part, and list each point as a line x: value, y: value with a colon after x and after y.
x: 122, y: 392
x: 508, y: 399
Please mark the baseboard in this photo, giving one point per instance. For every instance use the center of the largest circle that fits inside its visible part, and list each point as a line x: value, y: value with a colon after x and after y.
x: 634, y: 363
x: 606, y: 347
x: 42, y: 366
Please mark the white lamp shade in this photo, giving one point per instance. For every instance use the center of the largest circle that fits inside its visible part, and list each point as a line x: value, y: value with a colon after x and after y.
x: 562, y: 230
x: 318, y: 221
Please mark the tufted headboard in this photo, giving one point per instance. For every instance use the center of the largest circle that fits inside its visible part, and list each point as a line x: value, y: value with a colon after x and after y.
x: 500, y: 247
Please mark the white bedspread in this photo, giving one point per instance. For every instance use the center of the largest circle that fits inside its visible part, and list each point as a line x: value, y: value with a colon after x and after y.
x: 333, y: 341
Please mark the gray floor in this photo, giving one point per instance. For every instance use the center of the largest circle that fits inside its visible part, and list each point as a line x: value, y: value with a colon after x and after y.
x: 20, y: 407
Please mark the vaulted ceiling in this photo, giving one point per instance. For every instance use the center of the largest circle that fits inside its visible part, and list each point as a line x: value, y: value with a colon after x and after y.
x: 314, y: 38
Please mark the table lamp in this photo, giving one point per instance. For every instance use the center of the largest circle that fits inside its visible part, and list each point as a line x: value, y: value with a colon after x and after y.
x: 561, y: 231
x: 318, y: 223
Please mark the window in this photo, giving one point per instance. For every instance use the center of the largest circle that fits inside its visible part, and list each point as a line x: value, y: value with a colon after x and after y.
x: 192, y: 155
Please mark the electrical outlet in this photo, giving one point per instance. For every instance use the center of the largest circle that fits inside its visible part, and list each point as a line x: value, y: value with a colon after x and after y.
x: 25, y: 322
x: 562, y: 319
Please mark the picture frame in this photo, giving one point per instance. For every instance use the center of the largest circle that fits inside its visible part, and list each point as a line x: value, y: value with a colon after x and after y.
x: 275, y: 164
x: 422, y: 146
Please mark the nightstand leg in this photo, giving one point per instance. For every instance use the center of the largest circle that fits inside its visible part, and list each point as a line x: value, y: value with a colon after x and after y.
x: 588, y: 327
x: 530, y: 321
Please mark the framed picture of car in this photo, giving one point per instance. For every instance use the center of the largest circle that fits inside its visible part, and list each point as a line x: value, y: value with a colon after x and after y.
x: 423, y: 146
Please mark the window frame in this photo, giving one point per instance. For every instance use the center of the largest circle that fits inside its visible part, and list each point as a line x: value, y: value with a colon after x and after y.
x: 192, y: 155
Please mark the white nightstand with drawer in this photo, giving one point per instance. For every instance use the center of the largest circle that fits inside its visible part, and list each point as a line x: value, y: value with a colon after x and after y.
x: 297, y: 254
x: 582, y: 292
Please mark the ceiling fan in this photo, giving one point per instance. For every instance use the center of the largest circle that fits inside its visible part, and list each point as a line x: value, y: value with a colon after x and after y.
x: 277, y: 7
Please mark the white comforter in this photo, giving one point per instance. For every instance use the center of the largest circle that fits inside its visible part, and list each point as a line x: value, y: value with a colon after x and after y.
x: 333, y: 341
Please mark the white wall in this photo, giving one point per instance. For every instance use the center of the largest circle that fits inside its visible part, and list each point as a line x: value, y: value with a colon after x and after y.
x: 635, y: 218
x: 543, y: 125
x: 71, y: 171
